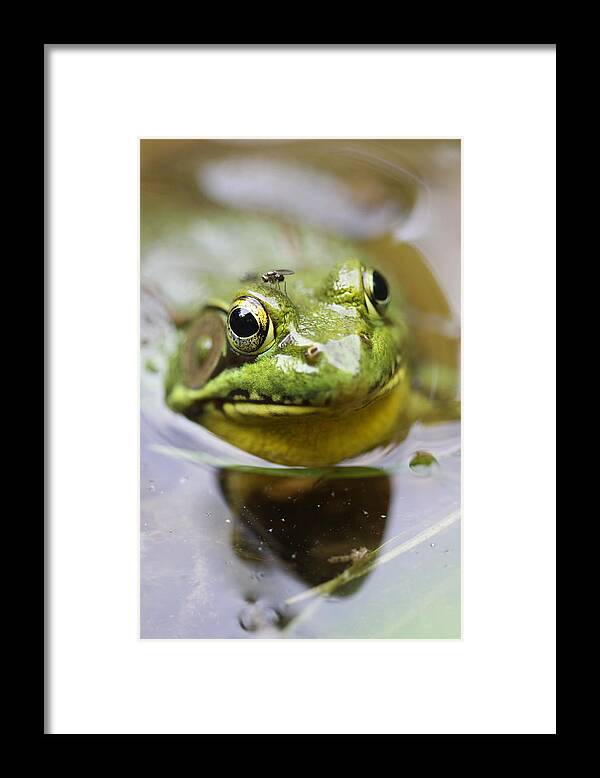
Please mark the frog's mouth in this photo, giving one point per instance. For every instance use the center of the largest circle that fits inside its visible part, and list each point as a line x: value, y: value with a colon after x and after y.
x: 239, y: 406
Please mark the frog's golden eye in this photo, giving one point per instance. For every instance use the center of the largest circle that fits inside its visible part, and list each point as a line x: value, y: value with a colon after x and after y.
x: 249, y: 326
x: 377, y: 291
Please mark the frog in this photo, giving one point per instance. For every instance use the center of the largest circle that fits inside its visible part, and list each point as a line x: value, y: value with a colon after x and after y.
x: 307, y: 367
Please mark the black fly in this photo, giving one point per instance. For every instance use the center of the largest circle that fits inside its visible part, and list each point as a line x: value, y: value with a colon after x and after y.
x: 276, y: 277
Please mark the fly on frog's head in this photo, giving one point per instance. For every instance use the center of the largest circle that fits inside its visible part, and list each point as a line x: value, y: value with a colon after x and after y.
x: 276, y: 277
x: 264, y: 366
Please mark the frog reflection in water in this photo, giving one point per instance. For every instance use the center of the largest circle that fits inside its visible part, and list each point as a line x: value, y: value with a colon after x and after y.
x: 316, y: 526
x: 309, y: 375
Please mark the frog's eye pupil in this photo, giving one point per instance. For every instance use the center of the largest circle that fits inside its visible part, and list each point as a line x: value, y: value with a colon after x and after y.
x: 377, y: 291
x: 249, y: 326
x: 381, y: 290
x: 243, y: 323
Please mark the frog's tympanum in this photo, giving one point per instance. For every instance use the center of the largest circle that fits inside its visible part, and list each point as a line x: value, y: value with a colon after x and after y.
x: 306, y: 369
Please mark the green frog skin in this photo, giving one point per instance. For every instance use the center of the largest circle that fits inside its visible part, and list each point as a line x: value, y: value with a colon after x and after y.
x: 309, y: 374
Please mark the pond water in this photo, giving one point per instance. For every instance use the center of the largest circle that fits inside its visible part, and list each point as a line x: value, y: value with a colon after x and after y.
x: 233, y: 546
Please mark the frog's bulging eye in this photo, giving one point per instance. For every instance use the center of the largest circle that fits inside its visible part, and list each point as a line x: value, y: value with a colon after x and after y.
x: 249, y: 326
x: 377, y: 291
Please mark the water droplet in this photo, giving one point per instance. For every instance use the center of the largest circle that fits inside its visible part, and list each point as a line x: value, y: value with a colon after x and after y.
x: 271, y: 530
x: 432, y: 545
x: 151, y: 486
x: 258, y: 616
x: 227, y: 521
x: 383, y: 516
x: 423, y: 463
x: 183, y: 479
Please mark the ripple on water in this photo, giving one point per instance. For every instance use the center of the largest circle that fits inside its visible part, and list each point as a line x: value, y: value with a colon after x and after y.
x: 258, y: 616
x: 423, y: 464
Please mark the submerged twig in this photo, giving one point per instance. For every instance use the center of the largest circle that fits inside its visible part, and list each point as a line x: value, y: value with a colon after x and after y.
x: 354, y: 556
x: 371, y: 560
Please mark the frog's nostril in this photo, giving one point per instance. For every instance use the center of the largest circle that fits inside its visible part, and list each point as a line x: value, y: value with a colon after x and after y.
x: 312, y: 352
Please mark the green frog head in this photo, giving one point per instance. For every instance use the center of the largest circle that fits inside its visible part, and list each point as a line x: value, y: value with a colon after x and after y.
x: 304, y: 369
